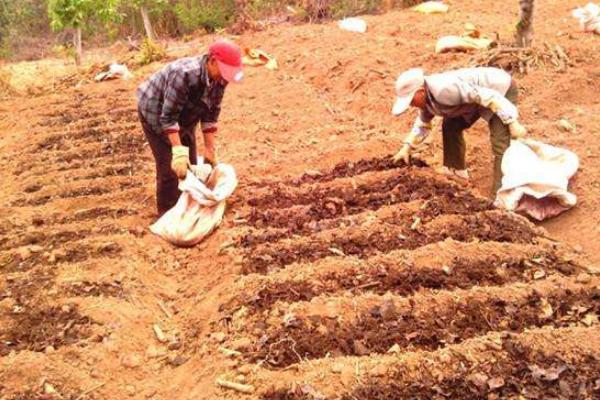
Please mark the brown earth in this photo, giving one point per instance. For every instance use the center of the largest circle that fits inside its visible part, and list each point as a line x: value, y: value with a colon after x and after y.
x: 335, y: 274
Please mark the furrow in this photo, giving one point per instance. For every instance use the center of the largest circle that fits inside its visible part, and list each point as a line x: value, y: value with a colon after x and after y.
x: 539, y: 364
x: 400, y: 232
x: 369, y: 324
x: 444, y: 265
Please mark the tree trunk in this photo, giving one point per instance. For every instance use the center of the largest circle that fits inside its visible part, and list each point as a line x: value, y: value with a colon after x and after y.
x: 77, y: 44
x: 147, y: 24
x: 524, y: 35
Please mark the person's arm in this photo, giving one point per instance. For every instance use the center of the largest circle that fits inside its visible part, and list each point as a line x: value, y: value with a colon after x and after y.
x: 497, y: 103
x: 174, y: 138
x: 209, y: 148
x: 176, y: 95
x: 209, y: 128
x: 420, y: 130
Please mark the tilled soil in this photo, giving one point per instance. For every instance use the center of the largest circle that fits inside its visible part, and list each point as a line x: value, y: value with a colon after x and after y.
x: 421, y: 271
x: 336, y: 273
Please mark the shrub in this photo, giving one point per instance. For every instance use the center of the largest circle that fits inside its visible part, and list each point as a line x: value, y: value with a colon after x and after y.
x: 150, y: 52
x: 208, y: 14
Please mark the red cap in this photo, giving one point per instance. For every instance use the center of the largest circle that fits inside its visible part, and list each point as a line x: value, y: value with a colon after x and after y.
x: 229, y: 59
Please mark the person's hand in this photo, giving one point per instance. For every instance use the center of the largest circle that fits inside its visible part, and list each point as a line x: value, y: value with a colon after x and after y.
x: 209, y: 156
x: 517, y: 131
x: 210, y: 160
x: 403, y: 155
x: 180, y: 160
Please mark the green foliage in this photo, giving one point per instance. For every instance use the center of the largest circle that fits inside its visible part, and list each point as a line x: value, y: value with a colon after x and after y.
x: 346, y: 8
x: 150, y: 52
x: 5, y: 48
x: 76, y: 13
x: 208, y: 14
x: 19, y: 20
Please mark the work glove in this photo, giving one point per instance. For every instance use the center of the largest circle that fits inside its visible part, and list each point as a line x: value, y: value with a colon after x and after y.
x: 180, y: 160
x: 403, y: 154
x: 414, y: 137
x: 517, y: 131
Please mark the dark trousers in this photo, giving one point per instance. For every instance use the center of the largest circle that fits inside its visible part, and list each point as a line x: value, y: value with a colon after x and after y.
x: 167, y: 192
x: 455, y: 147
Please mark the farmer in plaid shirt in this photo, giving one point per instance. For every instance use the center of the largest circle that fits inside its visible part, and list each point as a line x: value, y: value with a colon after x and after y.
x: 173, y: 101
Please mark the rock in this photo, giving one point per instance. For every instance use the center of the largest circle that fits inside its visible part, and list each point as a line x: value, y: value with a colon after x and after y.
x: 578, y: 249
x: 479, y: 380
x: 133, y: 360
x: 565, y: 126
x: 34, y: 248
x: 495, y: 383
x: 546, y: 309
x: 49, y: 389
x: 242, y: 344
x: 322, y: 330
x: 539, y: 274
x: 584, y: 278
x: 359, y: 348
x: 177, y: 360
x: 52, y: 258
x: 138, y: 231
x: 94, y: 374
x: 8, y: 304
x: 590, y: 319
x: 218, y: 336
x: 395, y: 349
x: 337, y: 368
x: 174, y: 345
x: 130, y: 389
x: 155, y: 351
x: 447, y: 270
x: 388, y: 310
x: 49, y: 349
x: 240, y: 378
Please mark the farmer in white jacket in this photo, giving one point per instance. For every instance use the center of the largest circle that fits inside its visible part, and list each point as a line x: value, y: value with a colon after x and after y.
x: 461, y: 97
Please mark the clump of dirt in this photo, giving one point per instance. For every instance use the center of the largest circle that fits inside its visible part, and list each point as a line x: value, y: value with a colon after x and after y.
x: 385, y: 238
x: 282, y: 196
x: 526, y: 374
x: 381, y: 279
x: 350, y: 168
x: 95, y: 289
x: 75, y: 193
x: 74, y: 253
x: 25, y: 290
x: 37, y: 328
x: 325, y: 213
x: 377, y: 331
x: 54, y: 239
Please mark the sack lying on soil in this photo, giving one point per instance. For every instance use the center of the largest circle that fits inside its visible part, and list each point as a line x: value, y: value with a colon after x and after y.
x: 200, y: 207
x: 536, y: 179
x: 589, y: 17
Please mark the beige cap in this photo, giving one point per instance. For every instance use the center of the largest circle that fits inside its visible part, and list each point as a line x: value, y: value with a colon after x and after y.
x: 407, y: 85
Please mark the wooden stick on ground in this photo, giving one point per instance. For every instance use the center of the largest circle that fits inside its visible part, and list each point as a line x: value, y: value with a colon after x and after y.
x: 248, y: 389
x: 98, y: 386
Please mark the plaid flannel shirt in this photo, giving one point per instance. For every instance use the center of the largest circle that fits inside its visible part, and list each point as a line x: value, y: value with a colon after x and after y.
x: 180, y: 95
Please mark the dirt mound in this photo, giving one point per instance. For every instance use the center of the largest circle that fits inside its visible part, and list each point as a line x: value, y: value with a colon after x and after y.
x: 336, y: 274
